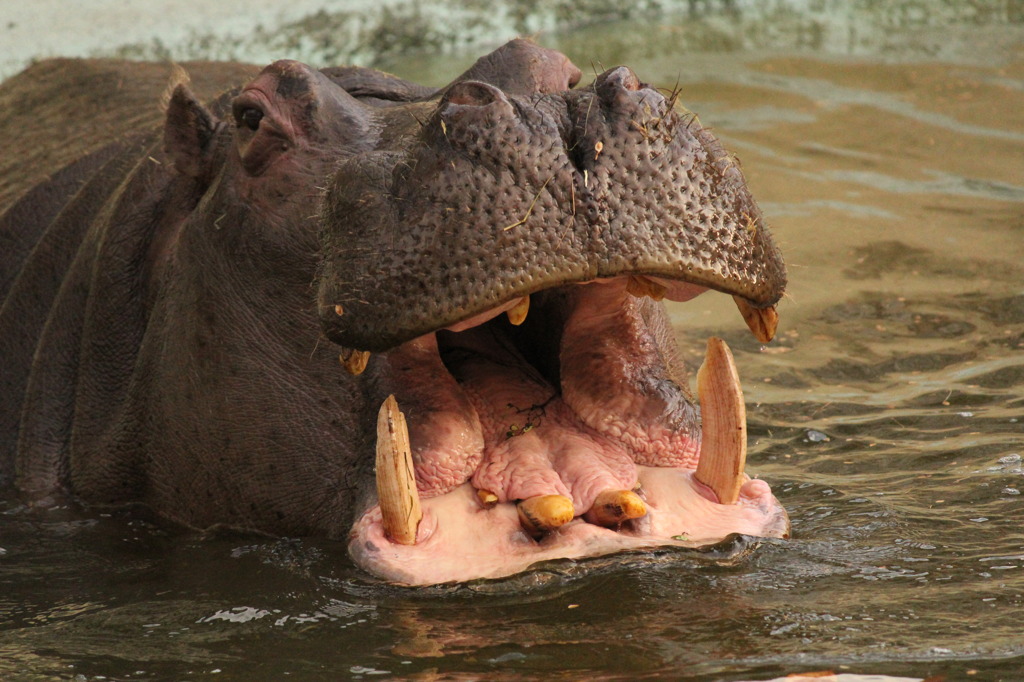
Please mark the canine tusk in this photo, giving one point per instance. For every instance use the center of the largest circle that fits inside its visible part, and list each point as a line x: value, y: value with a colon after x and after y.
x: 396, y: 480
x: 723, y: 448
x: 354, y: 361
x: 517, y: 313
x: 762, y: 321
x: 639, y: 286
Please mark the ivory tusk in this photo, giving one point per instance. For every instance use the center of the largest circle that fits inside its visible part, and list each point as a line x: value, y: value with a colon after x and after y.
x: 517, y: 313
x: 396, y: 479
x: 762, y: 321
x: 723, y: 448
x: 354, y: 361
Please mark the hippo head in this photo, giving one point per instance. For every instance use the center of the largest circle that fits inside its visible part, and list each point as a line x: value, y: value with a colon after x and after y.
x: 491, y: 259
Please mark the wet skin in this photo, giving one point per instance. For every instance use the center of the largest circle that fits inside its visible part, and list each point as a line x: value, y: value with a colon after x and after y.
x: 175, y: 303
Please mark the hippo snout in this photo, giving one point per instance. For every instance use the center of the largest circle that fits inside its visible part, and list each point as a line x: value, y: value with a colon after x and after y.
x: 499, y: 195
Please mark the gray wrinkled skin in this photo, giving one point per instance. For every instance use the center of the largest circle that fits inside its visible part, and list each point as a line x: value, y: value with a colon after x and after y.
x: 499, y: 195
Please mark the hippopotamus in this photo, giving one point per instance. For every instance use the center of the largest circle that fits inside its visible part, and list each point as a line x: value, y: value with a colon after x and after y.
x: 428, y: 323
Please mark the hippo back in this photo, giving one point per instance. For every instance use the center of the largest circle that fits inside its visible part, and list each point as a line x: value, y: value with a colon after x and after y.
x: 74, y: 131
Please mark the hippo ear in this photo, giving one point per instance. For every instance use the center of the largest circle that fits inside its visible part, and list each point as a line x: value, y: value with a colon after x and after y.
x: 188, y: 131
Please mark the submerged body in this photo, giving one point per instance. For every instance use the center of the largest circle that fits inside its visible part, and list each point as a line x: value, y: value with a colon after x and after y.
x: 491, y: 254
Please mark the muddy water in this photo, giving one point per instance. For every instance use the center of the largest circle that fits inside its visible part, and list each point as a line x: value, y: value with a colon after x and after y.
x: 888, y: 416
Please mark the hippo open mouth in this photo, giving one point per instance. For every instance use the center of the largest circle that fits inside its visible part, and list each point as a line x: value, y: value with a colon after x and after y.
x: 522, y: 245
x: 576, y: 437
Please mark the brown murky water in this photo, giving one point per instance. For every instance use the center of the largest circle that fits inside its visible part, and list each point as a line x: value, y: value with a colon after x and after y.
x: 888, y: 416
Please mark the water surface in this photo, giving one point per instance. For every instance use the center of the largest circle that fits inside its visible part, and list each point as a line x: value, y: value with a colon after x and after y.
x: 887, y: 148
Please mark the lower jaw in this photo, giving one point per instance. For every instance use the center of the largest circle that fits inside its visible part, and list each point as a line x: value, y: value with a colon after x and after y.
x: 462, y: 535
x: 458, y: 540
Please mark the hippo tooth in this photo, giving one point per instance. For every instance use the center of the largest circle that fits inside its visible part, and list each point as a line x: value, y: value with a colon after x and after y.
x: 613, y: 507
x: 517, y: 313
x: 544, y: 513
x: 638, y: 286
x: 396, y: 482
x: 762, y: 321
x: 723, y: 450
x: 487, y: 498
x: 354, y: 361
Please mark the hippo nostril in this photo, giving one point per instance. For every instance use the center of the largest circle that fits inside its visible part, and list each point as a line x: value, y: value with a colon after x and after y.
x: 473, y: 93
x: 614, y: 81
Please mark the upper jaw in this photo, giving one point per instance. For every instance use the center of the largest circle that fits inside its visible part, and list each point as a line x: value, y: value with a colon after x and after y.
x: 499, y: 196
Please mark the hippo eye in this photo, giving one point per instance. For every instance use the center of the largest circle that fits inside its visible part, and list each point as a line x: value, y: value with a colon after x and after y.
x: 250, y: 117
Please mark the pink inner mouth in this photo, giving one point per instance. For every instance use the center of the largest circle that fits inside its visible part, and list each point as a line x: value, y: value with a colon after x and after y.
x: 458, y: 540
x: 588, y: 395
